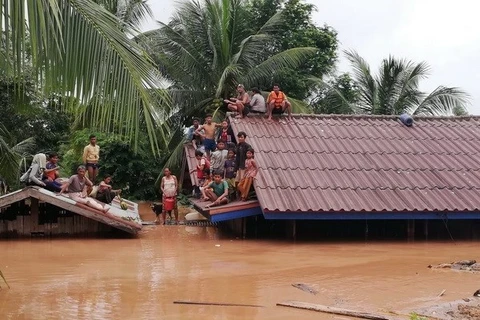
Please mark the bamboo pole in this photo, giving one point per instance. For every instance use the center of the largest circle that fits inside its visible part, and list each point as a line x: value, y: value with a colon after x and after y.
x: 333, y: 310
x: 217, y: 304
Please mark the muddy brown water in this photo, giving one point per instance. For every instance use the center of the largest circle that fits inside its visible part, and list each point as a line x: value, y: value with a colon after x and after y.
x: 140, y: 278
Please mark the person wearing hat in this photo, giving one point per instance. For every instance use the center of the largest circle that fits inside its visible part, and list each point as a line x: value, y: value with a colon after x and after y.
x: 241, y: 103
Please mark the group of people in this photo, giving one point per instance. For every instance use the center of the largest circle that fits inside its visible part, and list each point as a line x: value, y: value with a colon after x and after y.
x: 225, y: 167
x: 44, y: 172
x: 226, y: 164
x: 243, y: 103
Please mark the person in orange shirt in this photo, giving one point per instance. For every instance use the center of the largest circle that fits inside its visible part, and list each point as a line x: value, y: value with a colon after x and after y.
x: 278, y: 103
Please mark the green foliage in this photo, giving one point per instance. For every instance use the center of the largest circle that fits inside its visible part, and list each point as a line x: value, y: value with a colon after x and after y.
x: 297, y: 30
x: 209, y: 47
x: 338, y: 96
x: 395, y: 89
x: 183, y: 200
x: 78, y: 49
x: 414, y: 316
x: 12, y: 153
x: 134, y: 172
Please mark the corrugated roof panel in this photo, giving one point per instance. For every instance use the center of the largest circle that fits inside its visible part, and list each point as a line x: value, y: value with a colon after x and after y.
x: 365, y: 163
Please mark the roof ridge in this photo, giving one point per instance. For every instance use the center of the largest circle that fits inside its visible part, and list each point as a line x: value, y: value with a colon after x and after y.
x: 375, y: 169
x: 367, y: 152
x: 388, y: 138
x: 370, y: 188
x: 371, y: 116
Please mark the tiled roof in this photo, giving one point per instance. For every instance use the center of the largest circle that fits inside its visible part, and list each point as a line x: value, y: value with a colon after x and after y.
x: 365, y: 163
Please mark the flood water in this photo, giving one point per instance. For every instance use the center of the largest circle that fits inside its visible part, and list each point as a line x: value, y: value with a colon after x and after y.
x: 140, y: 278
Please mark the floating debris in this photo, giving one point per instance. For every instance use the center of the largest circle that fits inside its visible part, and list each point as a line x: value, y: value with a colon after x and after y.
x: 305, y: 287
x: 463, y: 265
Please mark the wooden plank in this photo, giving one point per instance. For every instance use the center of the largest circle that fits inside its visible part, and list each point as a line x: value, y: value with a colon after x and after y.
x: 218, y: 304
x: 232, y: 206
x: 13, y: 197
x: 27, y: 225
x: 34, y: 214
x: 333, y: 310
x: 90, y: 213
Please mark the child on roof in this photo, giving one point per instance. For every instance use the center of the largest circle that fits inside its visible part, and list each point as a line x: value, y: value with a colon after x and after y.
x: 241, y: 156
x: 251, y: 170
x: 226, y: 134
x: 202, y: 168
x: 218, y: 157
x: 229, y: 172
x: 217, y: 191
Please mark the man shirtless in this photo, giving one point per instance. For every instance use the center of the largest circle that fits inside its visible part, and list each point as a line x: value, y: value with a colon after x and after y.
x: 241, y: 103
x: 209, y: 134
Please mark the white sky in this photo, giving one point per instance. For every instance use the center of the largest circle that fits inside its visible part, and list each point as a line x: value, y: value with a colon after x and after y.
x: 444, y: 33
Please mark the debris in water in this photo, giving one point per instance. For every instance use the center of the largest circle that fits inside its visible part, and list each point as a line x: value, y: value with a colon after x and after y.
x: 305, y: 287
x: 463, y: 265
x: 217, y: 245
x: 218, y: 304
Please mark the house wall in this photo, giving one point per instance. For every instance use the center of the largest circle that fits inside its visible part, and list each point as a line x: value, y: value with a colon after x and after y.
x: 28, y: 218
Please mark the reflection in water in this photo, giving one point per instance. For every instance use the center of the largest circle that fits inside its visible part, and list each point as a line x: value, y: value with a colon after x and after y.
x: 140, y: 278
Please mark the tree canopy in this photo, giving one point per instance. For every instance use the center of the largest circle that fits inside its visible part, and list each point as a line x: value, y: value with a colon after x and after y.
x: 77, y: 48
x: 395, y: 89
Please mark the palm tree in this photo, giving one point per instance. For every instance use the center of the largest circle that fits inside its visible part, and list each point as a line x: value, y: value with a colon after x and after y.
x: 207, y: 48
x: 78, y: 49
x: 12, y: 155
x: 395, y: 90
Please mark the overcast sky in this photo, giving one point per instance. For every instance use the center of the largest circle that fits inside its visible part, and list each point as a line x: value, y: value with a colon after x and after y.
x: 444, y: 33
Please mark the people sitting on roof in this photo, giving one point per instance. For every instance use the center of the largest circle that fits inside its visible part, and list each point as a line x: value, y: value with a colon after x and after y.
x: 241, y: 103
x: 105, y: 192
x: 217, y: 191
x: 218, y: 157
x: 209, y: 136
x: 51, y: 174
x: 205, y: 182
x: 76, y: 188
x: 278, y: 103
x: 202, y: 167
x: 229, y: 173
x: 192, y: 136
x: 226, y: 134
x: 257, y: 103
x: 251, y: 170
x: 241, y: 156
x: 34, y: 174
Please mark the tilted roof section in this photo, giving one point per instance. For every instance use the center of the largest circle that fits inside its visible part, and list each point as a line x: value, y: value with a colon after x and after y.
x: 365, y: 163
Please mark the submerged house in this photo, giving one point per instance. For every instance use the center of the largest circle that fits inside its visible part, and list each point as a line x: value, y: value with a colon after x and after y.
x: 358, y: 167
x: 37, y: 211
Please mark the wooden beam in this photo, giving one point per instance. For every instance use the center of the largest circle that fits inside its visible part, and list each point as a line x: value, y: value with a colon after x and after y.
x: 13, y: 197
x: 218, y: 304
x: 34, y: 214
x: 333, y: 310
x: 116, y: 222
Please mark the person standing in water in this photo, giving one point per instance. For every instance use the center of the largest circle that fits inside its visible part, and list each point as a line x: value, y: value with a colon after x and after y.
x: 169, y: 187
x: 91, y: 155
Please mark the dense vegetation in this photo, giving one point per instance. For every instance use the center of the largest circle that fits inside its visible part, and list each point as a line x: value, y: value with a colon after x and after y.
x: 89, y: 70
